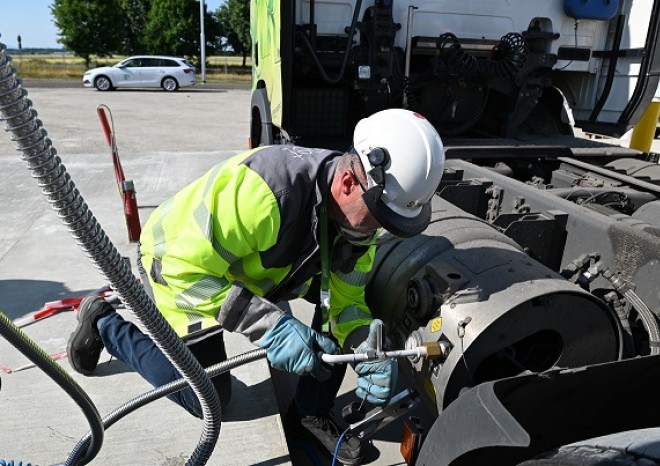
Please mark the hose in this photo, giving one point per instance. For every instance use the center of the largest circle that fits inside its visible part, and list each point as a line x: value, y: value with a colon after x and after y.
x: 167, y: 389
x: 349, y: 44
x: 507, y: 59
x: 58, y: 188
x: 16, y: 337
x: 648, y: 318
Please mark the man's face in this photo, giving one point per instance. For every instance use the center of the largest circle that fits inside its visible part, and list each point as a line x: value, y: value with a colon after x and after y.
x: 357, y: 217
x: 357, y: 222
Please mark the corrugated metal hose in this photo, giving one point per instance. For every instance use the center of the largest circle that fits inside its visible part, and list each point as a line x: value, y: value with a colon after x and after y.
x: 57, y: 186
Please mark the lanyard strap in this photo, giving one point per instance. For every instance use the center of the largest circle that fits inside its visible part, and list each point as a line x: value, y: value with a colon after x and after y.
x: 325, y: 268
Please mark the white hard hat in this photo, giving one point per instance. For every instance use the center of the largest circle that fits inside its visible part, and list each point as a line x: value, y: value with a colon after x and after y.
x: 403, y: 157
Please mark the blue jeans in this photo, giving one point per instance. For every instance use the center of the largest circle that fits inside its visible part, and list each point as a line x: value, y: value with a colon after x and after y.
x: 126, y: 342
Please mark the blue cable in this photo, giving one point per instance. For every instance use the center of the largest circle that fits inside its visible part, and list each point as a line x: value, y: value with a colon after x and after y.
x: 12, y: 463
x: 341, y: 437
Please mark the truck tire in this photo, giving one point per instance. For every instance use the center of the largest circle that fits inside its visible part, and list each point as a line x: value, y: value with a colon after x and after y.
x: 631, y: 448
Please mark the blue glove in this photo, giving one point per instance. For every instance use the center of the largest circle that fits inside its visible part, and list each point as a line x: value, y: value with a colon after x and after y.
x: 294, y: 347
x: 376, y: 379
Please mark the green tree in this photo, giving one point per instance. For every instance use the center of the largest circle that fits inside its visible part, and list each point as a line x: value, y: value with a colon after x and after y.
x: 135, y: 14
x: 234, y: 24
x: 173, y: 28
x: 92, y: 27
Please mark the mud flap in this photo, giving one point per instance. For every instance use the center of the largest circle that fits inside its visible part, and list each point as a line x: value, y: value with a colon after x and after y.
x: 506, y: 421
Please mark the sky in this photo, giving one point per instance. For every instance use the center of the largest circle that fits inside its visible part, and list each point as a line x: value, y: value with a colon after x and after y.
x: 31, y: 19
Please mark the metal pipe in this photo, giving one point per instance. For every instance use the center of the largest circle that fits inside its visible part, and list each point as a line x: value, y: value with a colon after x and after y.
x: 406, y: 71
x: 409, y: 29
x: 202, y: 38
x: 419, y: 352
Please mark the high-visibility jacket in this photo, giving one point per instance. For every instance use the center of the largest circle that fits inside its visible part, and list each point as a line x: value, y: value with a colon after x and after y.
x: 252, y: 218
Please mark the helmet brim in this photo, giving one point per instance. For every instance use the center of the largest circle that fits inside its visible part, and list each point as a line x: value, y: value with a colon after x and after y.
x: 395, y: 223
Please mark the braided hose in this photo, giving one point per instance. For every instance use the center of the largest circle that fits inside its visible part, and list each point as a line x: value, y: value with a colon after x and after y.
x: 34, y: 353
x: 164, y: 390
x: 58, y: 188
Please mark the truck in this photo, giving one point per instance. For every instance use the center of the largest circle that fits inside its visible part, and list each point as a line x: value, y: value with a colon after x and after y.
x: 538, y: 273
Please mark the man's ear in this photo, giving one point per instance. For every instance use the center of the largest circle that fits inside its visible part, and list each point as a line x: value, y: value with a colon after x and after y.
x: 348, y: 182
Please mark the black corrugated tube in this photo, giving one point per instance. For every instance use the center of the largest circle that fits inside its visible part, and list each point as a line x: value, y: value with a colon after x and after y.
x: 31, y: 350
x: 507, y: 59
x: 58, y: 188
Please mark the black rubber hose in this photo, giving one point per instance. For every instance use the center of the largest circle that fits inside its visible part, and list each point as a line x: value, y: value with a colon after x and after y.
x: 349, y: 43
x: 17, y: 338
x: 508, y: 57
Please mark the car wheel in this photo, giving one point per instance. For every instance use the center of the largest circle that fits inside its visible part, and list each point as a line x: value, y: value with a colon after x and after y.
x: 170, y: 84
x: 103, y: 83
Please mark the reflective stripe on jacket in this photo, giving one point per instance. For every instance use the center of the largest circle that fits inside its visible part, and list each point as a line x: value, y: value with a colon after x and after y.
x: 251, y: 218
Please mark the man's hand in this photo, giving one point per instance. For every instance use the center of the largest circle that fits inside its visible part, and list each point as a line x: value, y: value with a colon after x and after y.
x: 376, y: 379
x: 294, y: 347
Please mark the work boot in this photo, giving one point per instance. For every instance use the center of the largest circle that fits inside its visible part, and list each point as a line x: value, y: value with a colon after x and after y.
x: 325, y: 433
x: 85, y: 344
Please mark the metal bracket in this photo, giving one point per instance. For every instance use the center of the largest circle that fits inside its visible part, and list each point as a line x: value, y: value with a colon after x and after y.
x: 378, y: 418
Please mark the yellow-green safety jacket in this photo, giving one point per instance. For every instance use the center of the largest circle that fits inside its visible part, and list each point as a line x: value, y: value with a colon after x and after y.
x: 252, y: 218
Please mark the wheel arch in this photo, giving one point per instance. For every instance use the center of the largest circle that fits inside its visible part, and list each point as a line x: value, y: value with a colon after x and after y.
x: 261, y: 121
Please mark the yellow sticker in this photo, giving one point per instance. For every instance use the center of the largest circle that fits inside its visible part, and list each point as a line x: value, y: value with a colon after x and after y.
x: 436, y: 324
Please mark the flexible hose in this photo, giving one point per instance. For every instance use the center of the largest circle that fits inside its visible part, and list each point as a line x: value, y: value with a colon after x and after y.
x: 167, y: 389
x: 349, y: 44
x: 31, y: 350
x: 649, y: 320
x: 58, y: 188
x: 508, y: 57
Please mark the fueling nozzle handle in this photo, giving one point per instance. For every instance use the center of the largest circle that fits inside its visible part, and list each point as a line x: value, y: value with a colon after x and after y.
x: 420, y: 351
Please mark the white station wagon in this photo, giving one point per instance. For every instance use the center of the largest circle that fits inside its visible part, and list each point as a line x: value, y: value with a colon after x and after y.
x: 170, y: 73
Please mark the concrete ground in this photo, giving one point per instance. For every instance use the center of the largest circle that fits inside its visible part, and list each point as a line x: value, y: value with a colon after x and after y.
x: 165, y: 140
